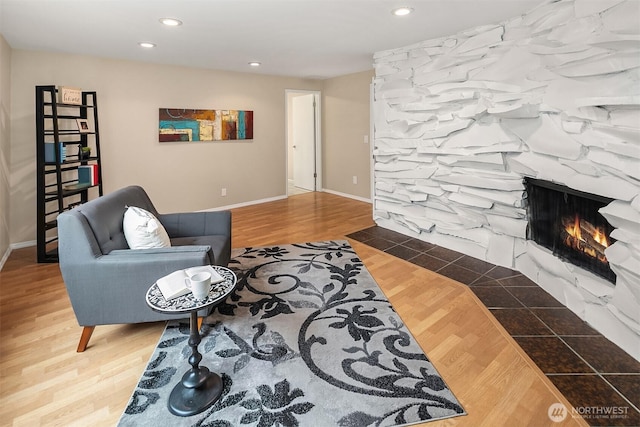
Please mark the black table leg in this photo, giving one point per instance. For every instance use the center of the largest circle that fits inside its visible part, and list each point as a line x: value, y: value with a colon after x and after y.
x: 199, y: 387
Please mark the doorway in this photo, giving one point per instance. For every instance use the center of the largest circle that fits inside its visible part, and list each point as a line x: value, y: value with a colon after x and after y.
x: 303, y: 141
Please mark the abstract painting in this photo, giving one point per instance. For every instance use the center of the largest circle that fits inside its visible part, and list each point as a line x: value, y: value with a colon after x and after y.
x: 181, y: 124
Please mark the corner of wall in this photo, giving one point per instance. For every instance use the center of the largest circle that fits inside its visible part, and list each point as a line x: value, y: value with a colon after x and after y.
x: 5, y: 145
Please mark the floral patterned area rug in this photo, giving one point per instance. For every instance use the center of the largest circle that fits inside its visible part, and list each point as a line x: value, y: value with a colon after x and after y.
x: 306, y: 339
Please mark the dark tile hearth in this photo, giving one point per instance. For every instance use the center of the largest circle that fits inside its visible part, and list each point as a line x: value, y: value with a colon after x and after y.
x: 429, y: 262
x: 495, y: 297
x: 591, y: 396
x: 460, y: 274
x: 605, y: 357
x: 531, y: 296
x: 628, y: 385
x: 521, y: 321
x: 564, y: 321
x: 552, y: 355
x: 601, y: 381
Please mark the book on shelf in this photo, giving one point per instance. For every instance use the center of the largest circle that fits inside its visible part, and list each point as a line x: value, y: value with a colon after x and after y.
x: 78, y: 186
x: 88, y: 174
x: 50, y: 152
x: 173, y: 285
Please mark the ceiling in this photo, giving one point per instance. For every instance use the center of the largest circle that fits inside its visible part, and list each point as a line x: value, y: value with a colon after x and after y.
x: 302, y: 38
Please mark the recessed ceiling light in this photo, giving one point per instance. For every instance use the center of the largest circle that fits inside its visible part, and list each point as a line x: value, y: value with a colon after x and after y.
x: 254, y: 64
x: 171, y: 22
x: 147, y: 45
x: 402, y: 11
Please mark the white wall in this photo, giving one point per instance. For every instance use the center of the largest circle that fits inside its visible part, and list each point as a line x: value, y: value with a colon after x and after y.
x: 552, y: 94
x: 178, y: 176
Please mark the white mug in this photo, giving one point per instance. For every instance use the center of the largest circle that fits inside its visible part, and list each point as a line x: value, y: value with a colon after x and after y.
x: 199, y: 284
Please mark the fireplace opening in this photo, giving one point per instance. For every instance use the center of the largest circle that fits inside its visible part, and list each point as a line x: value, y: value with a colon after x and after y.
x: 568, y: 223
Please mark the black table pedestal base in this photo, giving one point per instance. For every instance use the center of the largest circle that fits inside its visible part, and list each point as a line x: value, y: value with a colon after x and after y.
x: 199, y: 388
x: 186, y: 401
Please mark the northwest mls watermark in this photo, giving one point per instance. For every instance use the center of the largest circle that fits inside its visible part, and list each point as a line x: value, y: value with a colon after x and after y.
x: 558, y: 412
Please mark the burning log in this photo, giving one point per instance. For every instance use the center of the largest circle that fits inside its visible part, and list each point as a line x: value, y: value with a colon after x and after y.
x: 584, y: 237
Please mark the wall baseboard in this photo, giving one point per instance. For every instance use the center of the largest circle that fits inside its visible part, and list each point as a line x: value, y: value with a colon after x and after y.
x: 5, y: 257
x: 21, y: 245
x: 349, y: 196
x: 240, y: 205
x: 273, y: 199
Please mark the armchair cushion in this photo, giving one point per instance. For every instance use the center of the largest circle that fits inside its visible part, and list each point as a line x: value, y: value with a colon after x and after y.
x: 143, y: 230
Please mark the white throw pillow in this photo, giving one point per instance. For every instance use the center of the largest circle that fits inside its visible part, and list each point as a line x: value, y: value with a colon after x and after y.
x: 143, y: 230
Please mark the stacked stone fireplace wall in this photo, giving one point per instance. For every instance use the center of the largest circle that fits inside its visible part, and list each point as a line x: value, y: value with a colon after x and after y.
x: 554, y: 95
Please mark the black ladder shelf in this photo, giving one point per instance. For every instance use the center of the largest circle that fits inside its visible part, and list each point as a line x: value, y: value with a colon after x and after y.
x: 60, y: 183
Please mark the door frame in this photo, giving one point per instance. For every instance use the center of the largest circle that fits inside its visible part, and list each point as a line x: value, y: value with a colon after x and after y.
x: 318, y: 134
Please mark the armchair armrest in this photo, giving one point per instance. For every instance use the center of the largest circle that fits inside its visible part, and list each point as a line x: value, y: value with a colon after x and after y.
x: 190, y: 224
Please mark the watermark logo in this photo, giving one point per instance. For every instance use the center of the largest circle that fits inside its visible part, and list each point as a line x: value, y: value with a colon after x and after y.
x: 557, y: 412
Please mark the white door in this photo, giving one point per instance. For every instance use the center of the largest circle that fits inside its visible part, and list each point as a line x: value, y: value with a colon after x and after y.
x: 303, y: 117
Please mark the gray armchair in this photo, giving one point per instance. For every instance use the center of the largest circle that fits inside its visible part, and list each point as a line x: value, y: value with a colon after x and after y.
x: 106, y: 281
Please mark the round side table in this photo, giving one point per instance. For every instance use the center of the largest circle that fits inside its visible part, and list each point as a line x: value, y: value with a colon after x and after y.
x: 199, y: 387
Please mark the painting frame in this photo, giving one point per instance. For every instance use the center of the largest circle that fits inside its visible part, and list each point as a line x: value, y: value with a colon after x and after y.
x: 200, y: 125
x: 83, y: 125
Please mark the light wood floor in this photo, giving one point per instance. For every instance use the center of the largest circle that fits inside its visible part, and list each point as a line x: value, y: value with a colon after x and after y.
x: 43, y: 381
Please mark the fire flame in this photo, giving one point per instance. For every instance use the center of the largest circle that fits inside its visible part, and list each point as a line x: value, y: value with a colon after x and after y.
x: 600, y: 237
x: 585, y: 244
x: 575, y: 231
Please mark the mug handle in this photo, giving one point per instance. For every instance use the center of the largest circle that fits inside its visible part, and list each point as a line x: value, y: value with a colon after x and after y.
x: 187, y: 283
